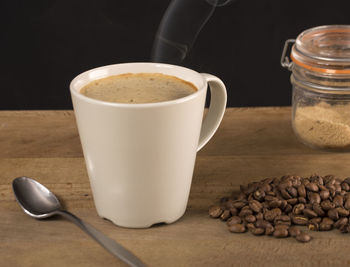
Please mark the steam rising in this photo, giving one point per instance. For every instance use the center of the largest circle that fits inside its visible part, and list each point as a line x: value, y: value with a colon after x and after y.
x: 179, y: 28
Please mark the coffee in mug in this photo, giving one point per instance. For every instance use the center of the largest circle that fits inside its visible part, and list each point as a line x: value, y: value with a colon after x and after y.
x: 136, y: 88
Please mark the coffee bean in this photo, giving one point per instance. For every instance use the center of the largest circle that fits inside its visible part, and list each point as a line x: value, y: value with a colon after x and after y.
x: 233, y: 220
x: 342, y: 212
x: 278, y: 194
x: 308, y: 206
x: 296, y: 181
x: 300, y: 220
x: 239, y: 204
x: 333, y: 214
x: 347, y: 229
x: 302, y: 200
x: 259, y: 194
x: 303, y: 237
x: 347, y: 203
x: 250, y: 218
x: 314, y: 226
x: 309, y: 213
x: 270, y: 215
x: 288, y: 208
x: 292, y: 191
x: 245, y: 212
x: 284, y: 204
x: 302, y: 191
x: 285, y: 184
x: 262, y: 224
x: 237, y: 228
x: 332, y: 193
x: 286, y: 178
x: 285, y: 194
x: 252, y: 187
x: 225, y: 215
x: 250, y: 197
x: 329, y: 179
x: 292, y: 201
x: 322, y: 188
x: 327, y: 220
x: 265, y: 187
x: 337, y: 188
x: 324, y: 194
x: 269, y: 230
x: 298, y: 209
x: 314, y: 197
x: 325, y: 227
x: 267, y: 180
x: 338, y: 201
x: 280, y: 222
x: 282, y: 218
x: 345, y: 186
x: 327, y: 205
x: 265, y: 205
x: 229, y: 204
x: 342, y: 221
x: 215, y: 211
x: 255, y: 205
x: 294, y: 231
x: 347, y: 180
x: 258, y: 231
x: 275, y: 203
x: 259, y: 216
x: 312, y: 187
x: 270, y: 198
x: 315, y: 220
x: 283, y: 223
x: 250, y: 226
x: 281, y: 226
x: 270, y: 194
x: 318, y: 180
x: 344, y: 228
x: 317, y: 208
x: 233, y: 211
x: 330, y: 186
x: 280, y: 233
x: 305, y: 181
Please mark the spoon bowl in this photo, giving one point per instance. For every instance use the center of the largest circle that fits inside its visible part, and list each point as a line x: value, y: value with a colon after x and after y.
x: 34, y: 198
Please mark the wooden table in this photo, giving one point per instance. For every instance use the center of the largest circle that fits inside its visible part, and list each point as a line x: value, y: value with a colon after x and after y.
x: 251, y: 144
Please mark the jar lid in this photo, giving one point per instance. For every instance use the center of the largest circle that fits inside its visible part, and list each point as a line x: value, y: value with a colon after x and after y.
x: 323, y: 49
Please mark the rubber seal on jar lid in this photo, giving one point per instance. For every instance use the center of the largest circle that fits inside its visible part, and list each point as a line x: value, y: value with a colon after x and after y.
x: 323, y: 49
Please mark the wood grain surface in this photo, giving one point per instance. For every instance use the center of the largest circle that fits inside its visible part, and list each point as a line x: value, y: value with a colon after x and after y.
x: 251, y: 144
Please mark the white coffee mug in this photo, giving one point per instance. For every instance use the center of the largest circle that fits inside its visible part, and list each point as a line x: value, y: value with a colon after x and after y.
x: 140, y: 157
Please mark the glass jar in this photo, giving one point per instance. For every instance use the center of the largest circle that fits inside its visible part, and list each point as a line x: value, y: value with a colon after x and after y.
x: 320, y: 66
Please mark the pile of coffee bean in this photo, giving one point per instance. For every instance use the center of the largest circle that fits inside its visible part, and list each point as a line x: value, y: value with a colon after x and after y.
x: 275, y: 206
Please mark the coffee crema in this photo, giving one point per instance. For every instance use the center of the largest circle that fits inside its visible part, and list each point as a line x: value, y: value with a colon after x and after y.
x: 137, y: 88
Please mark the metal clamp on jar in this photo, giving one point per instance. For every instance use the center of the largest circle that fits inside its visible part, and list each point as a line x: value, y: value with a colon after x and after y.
x: 320, y: 66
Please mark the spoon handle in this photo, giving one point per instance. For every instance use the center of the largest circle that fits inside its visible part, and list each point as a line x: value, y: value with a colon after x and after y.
x: 106, y: 242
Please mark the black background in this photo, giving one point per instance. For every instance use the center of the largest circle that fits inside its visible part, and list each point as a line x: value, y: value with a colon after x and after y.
x: 45, y: 43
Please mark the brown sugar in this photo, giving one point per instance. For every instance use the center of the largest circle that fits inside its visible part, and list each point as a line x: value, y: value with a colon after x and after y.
x: 324, y: 125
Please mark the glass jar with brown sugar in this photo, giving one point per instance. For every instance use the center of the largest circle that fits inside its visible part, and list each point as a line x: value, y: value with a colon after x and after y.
x: 320, y: 66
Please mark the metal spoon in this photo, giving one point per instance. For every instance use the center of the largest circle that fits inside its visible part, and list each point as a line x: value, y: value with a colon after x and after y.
x: 38, y: 202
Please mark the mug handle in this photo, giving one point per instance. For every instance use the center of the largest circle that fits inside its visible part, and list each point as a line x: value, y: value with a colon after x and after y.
x: 216, y: 109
